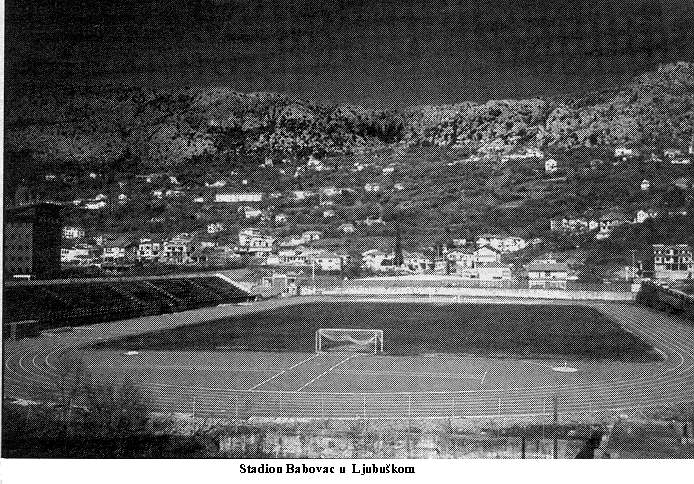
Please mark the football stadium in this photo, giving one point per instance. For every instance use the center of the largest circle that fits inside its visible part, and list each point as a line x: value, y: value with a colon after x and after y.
x: 207, y: 345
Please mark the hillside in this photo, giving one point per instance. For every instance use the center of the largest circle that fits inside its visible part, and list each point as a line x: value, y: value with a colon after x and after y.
x: 161, y: 129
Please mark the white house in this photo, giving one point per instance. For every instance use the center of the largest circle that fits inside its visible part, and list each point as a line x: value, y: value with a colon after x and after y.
x: 551, y: 165
x: 673, y: 262
x: 250, y: 212
x: 215, y: 227
x: 399, y: 186
x: 486, y: 254
x: 373, y: 260
x: 609, y: 222
x: 645, y: 185
x: 311, y: 235
x: 81, y: 254
x: 495, y: 241
x: 493, y: 271
x: 94, y: 205
x: 461, y: 258
x: 70, y: 232
x: 513, y: 244
x: 302, y: 194
x: 328, y: 213
x: 347, y: 228
x: 281, y: 218
x: 252, y: 240
x: 372, y: 187
x: 623, y: 151
x: 643, y: 215
x: 149, y: 249
x: 415, y: 261
x: 547, y: 275
x: 681, y: 161
x: 672, y: 153
x: 238, y: 197
x: 328, y: 261
x: 177, y: 250
x: 329, y: 191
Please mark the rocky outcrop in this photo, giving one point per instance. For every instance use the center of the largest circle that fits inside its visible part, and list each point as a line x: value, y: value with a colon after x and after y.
x: 164, y: 128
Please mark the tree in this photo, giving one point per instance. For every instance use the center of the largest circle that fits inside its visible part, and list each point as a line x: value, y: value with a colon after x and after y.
x: 398, y: 259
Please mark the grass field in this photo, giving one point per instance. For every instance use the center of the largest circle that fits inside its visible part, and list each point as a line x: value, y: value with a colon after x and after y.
x: 550, y: 331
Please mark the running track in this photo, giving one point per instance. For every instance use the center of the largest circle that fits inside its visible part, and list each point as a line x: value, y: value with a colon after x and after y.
x: 31, y: 369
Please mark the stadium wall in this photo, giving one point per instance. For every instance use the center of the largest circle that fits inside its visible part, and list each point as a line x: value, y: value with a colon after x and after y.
x: 483, y: 292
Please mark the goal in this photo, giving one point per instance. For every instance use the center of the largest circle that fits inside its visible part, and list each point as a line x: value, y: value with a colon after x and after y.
x: 357, y: 340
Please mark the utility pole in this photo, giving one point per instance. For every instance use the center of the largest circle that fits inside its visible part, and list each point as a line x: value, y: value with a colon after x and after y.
x: 556, y: 424
x: 633, y: 264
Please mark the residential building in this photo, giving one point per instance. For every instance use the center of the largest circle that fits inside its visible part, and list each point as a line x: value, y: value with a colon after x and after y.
x: 329, y: 191
x: 328, y: 213
x: 643, y: 215
x: 493, y: 271
x: 625, y: 152
x: 672, y: 153
x: 347, y: 228
x: 123, y: 249
x: 250, y: 212
x: 80, y: 254
x: 32, y: 240
x: 374, y: 260
x: 645, y: 185
x: 373, y: 221
x: 485, y: 255
x: 302, y: 194
x: 495, y: 241
x: 177, y: 250
x: 399, y: 186
x: 415, y: 261
x: 573, y: 224
x: 681, y: 161
x: 551, y: 165
x: 311, y: 235
x: 253, y: 241
x: 673, y: 261
x: 547, y: 275
x: 609, y: 222
x: 150, y: 249
x: 70, y: 232
x: 683, y: 183
x: 94, y: 205
x: 327, y: 261
x: 215, y: 227
x: 281, y: 218
x: 238, y: 197
x: 461, y: 258
x: 513, y: 244
x: 372, y: 187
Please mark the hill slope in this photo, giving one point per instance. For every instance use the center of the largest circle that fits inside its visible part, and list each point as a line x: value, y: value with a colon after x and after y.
x: 164, y: 128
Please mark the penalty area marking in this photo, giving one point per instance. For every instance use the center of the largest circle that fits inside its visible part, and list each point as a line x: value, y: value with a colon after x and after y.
x: 327, y: 371
x: 283, y: 371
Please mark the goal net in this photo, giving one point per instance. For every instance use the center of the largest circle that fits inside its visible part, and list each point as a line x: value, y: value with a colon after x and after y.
x: 357, y: 340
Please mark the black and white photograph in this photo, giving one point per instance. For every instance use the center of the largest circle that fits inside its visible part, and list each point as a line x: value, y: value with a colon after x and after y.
x: 347, y: 237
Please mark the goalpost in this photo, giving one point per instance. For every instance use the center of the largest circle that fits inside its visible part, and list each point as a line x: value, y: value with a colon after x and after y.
x: 349, y: 340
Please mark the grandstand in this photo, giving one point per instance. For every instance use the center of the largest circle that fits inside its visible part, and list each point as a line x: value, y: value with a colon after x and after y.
x: 57, y: 304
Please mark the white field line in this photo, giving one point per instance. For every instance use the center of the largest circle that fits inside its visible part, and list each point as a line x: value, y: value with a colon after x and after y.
x: 405, y: 373
x: 327, y: 371
x: 283, y: 371
x: 484, y: 377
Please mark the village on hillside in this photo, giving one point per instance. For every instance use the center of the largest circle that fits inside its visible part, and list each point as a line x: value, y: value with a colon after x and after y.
x: 362, y: 230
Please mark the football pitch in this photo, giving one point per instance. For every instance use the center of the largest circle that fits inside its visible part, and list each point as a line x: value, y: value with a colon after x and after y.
x: 491, y: 330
